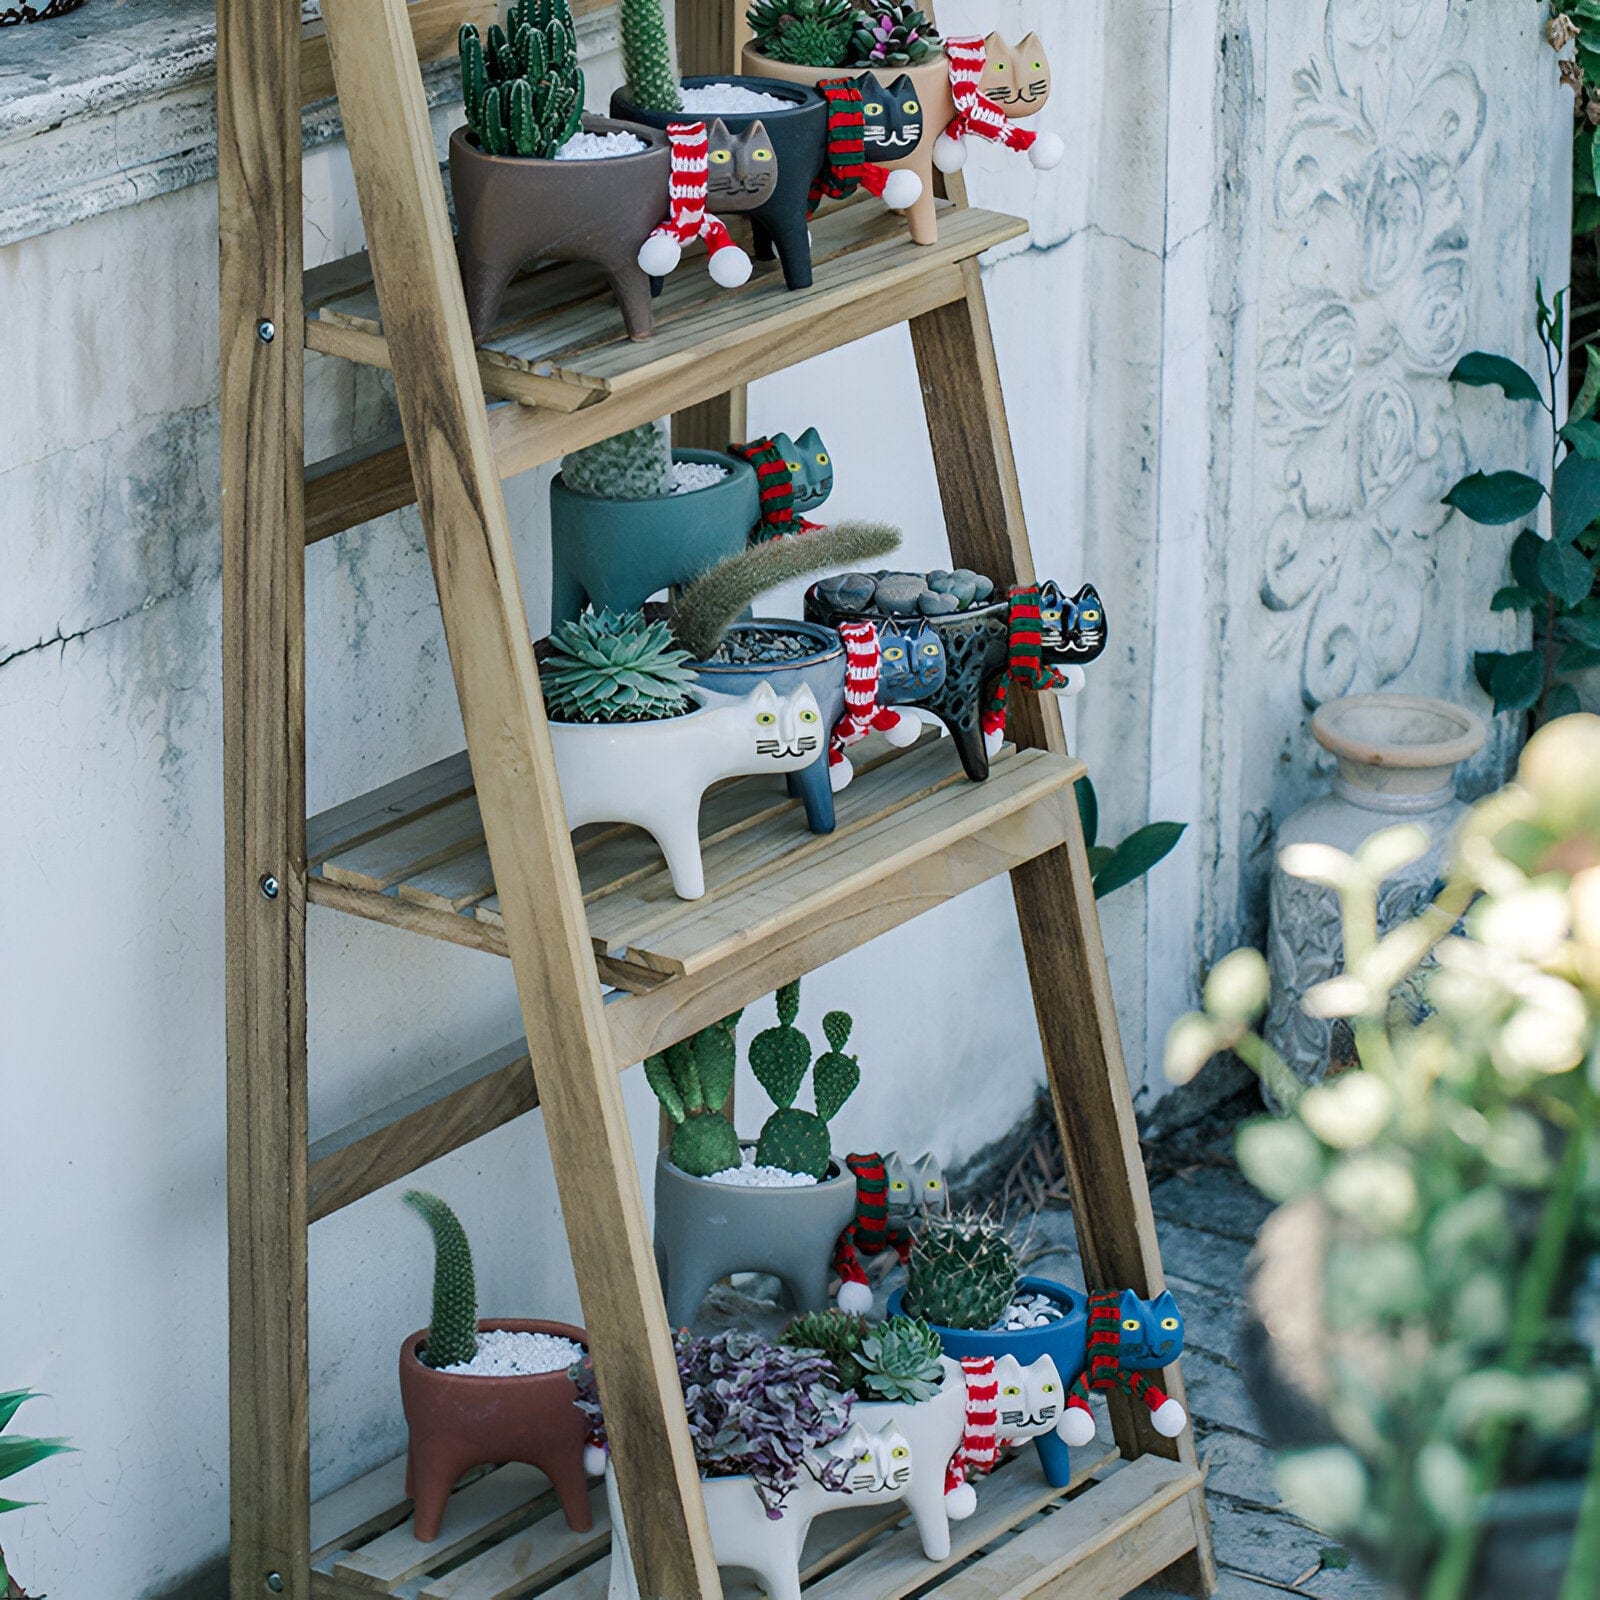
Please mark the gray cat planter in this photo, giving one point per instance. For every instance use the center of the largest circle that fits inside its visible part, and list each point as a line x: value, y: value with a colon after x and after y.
x: 704, y: 1231
x: 617, y: 553
x: 822, y: 668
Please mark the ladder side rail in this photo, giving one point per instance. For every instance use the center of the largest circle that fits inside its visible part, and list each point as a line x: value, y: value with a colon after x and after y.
x: 469, y: 544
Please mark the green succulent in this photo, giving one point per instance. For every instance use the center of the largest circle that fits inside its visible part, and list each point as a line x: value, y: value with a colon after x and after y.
x: 523, y: 88
x: 896, y: 35
x: 804, y: 33
x: 963, y: 1271
x: 900, y: 1360
x: 615, y: 668
x: 793, y: 1139
x: 453, y: 1328
x: 693, y: 1079
x: 635, y: 465
x: 839, y: 1335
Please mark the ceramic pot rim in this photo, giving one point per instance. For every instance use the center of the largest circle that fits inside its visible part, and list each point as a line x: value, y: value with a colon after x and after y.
x: 719, y: 458
x: 1333, y: 733
x: 476, y: 1382
x: 999, y: 605
x: 655, y: 140
x: 811, y: 630
x: 836, y: 1174
x: 803, y: 96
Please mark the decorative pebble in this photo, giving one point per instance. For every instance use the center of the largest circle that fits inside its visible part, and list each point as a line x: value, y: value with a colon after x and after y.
x: 850, y: 591
x: 742, y: 645
x: 747, y: 1175
x: 687, y: 476
x: 942, y: 582
x: 597, y: 146
x: 982, y: 587
x: 899, y: 592
x: 1031, y: 1311
x: 504, y: 1354
x: 720, y: 98
x: 932, y: 604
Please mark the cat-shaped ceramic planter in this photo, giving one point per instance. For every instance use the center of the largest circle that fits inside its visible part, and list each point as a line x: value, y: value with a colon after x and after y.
x: 615, y: 554
x: 653, y: 774
x: 514, y: 210
x: 821, y: 670
x: 798, y: 138
x: 458, y: 1421
x: 706, y: 1230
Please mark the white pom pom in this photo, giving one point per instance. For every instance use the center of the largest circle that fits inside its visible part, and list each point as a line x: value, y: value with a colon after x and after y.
x: 840, y: 774
x: 1169, y: 1419
x: 1076, y: 1427
x: 729, y: 266
x: 594, y: 1460
x: 993, y: 741
x: 905, y: 732
x: 1046, y: 151
x: 960, y: 1502
x: 902, y: 190
x: 659, y: 254
x: 855, y: 1298
x: 949, y: 155
x: 1076, y: 678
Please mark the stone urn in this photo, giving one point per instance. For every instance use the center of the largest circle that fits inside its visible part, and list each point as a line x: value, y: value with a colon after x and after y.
x: 1397, y: 755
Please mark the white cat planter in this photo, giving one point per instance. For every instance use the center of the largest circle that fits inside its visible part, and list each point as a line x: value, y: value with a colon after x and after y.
x: 653, y: 774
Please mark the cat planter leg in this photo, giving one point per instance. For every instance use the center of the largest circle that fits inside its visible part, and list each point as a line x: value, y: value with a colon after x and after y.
x: 783, y: 222
x: 971, y: 745
x: 680, y: 844
x: 813, y: 788
x: 633, y: 292
x: 1055, y: 1459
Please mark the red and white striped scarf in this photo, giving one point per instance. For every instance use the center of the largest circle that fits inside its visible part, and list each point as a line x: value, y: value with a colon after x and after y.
x: 862, y: 713
x: 976, y: 113
x: 687, y: 216
x: 980, y: 1445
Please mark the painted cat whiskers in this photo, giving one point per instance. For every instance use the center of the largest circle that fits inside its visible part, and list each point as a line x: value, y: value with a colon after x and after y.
x: 1127, y: 1334
x: 993, y: 83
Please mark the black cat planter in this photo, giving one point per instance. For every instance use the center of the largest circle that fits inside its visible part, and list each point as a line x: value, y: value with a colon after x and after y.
x: 947, y: 644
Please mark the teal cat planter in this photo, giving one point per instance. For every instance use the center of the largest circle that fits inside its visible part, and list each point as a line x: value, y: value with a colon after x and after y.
x: 820, y: 665
x: 617, y: 553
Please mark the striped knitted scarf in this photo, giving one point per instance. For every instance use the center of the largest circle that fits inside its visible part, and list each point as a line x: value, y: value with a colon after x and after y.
x: 980, y: 1445
x: 1024, y: 663
x: 870, y: 1233
x: 976, y: 113
x: 775, y: 485
x: 687, y: 216
x: 1105, y: 1370
x: 862, y: 713
x: 846, y: 167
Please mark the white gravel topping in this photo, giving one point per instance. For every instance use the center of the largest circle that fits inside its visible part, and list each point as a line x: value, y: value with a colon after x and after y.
x: 687, y: 476
x: 747, y: 1175
x: 502, y: 1354
x: 1031, y: 1311
x: 717, y: 99
x: 597, y: 146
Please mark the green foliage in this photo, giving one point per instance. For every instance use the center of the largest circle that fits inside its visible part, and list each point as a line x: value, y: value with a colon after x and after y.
x: 647, y: 58
x: 17, y: 1454
x: 804, y: 33
x: 453, y: 1329
x: 1553, y: 580
x: 612, y: 668
x: 523, y: 90
x: 636, y: 465
x: 963, y: 1271
x: 838, y: 1335
x: 693, y: 1080
x: 1446, y: 1190
x: 793, y: 1139
x: 706, y: 609
x: 897, y: 35
x: 899, y: 1360
x: 1112, y: 866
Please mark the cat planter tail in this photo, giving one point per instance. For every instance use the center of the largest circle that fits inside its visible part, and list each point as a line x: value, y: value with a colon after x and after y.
x: 458, y: 1421
x: 706, y: 1230
x: 615, y: 554
x: 653, y: 774
x: 992, y: 85
x: 514, y: 210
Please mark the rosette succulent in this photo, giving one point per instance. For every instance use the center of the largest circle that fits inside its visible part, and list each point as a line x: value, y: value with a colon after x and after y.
x: 803, y: 33
x: 892, y: 36
x: 899, y: 1360
x: 837, y: 1334
x: 615, y: 668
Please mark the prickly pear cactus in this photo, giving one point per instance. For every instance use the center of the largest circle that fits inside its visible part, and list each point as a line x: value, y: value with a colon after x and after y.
x: 835, y: 1076
x: 793, y: 1139
x: 779, y: 1056
x: 693, y: 1079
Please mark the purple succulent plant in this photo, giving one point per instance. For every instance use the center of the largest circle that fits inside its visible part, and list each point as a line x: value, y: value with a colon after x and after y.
x: 753, y: 1408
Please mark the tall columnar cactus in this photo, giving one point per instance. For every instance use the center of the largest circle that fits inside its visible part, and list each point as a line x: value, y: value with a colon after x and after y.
x: 793, y: 1139
x: 963, y: 1271
x: 703, y: 612
x: 647, y: 57
x: 523, y: 89
x: 693, y: 1079
x: 453, y: 1330
x: 635, y: 465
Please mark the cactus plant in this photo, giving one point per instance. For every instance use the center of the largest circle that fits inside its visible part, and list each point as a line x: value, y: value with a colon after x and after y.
x: 793, y: 1139
x: 704, y: 611
x: 523, y: 88
x: 693, y: 1079
x: 893, y: 35
x: 647, y: 58
x: 837, y: 1334
x: 453, y: 1328
x: 963, y: 1271
x: 615, y: 668
x: 635, y: 465
x: 804, y: 33
x: 899, y: 1360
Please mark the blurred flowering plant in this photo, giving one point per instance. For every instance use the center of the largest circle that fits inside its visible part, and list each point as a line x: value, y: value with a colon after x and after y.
x: 754, y: 1407
x: 1451, y: 1180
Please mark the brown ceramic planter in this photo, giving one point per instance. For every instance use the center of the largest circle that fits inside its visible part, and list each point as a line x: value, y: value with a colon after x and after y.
x: 459, y: 1422
x: 511, y: 210
x: 932, y: 80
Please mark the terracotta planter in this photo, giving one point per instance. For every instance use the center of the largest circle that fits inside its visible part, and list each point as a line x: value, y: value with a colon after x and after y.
x: 704, y: 1231
x: 654, y: 774
x: 799, y: 140
x: 931, y: 81
x: 511, y: 210
x: 822, y: 671
x: 458, y: 1422
x: 617, y: 553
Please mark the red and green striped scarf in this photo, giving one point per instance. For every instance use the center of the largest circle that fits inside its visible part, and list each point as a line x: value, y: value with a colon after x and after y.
x: 846, y: 167
x: 1104, y: 1369
x: 775, y: 486
x: 1024, y: 657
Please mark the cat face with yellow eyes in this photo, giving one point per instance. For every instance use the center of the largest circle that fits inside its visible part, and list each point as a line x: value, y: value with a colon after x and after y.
x: 1030, y: 1398
x: 741, y: 169
x: 891, y: 116
x: 916, y: 1185
x: 810, y: 467
x: 1015, y: 76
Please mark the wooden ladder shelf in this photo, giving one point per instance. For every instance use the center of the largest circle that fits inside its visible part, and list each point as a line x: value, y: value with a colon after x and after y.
x: 609, y: 965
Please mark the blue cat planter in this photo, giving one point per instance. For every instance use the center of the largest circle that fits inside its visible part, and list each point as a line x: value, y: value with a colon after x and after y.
x: 823, y: 669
